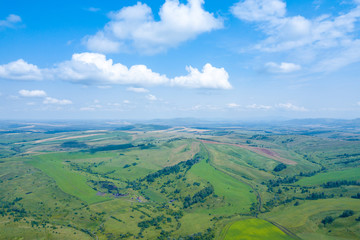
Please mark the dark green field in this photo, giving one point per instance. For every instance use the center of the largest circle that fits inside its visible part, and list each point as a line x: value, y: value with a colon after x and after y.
x: 174, y: 182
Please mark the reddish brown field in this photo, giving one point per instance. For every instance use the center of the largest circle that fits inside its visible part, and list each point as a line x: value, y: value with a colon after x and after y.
x: 261, y: 151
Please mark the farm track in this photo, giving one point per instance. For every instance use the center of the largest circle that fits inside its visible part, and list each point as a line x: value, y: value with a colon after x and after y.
x: 284, y: 229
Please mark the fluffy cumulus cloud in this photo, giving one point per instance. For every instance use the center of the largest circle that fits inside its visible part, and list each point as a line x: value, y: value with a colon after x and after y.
x: 21, y: 70
x: 10, y: 21
x: 209, y: 77
x: 32, y: 93
x: 94, y: 68
x: 135, y: 27
x: 283, y: 67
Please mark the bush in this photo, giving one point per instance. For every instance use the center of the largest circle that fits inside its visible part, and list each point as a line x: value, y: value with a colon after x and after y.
x: 279, y: 167
x: 327, y: 220
x: 347, y: 213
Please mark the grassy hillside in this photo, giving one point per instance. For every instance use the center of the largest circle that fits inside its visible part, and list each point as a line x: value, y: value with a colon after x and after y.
x: 151, y: 182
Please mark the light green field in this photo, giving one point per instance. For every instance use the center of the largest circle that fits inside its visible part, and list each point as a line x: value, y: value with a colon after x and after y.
x: 241, y: 162
x: 238, y: 196
x: 68, y: 181
x: 194, y: 222
x: 285, y: 215
x: 350, y: 174
x: 309, y: 214
x: 254, y: 229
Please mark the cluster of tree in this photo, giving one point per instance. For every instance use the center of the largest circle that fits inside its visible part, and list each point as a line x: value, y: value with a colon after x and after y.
x: 308, y: 174
x: 319, y: 195
x: 198, y: 197
x: 173, y: 169
x: 344, y: 214
x: 152, y: 222
x: 110, y: 186
x: 327, y: 220
x: 165, y: 171
x: 13, y: 209
x: 208, y: 235
x: 259, y: 137
x: 346, y: 155
x: 334, y: 184
x: 357, y: 196
x: 112, y: 147
x: 136, y: 185
x: 278, y: 181
x: 146, y: 146
x: 280, y: 167
x: 347, y: 213
x: 73, y: 144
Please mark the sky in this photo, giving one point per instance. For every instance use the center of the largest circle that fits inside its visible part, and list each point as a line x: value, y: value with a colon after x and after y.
x: 237, y: 60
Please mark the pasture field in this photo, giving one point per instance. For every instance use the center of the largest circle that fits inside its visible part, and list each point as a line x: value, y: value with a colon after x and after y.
x: 145, y: 181
x: 352, y: 174
x: 238, y: 196
x: 309, y: 215
x: 67, y: 180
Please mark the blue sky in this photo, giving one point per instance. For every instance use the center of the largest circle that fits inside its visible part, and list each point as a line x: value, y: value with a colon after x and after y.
x: 248, y: 59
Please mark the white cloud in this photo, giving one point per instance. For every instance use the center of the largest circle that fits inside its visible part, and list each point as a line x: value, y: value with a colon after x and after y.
x: 233, y: 105
x: 137, y: 90
x: 209, y: 77
x: 94, y: 68
x: 50, y: 100
x: 32, y: 93
x: 348, y: 54
x: 135, y: 27
x: 260, y: 107
x: 20, y: 70
x: 10, y: 21
x: 151, y: 97
x: 259, y: 10
x: 358, y: 103
x: 286, y: 33
x: 283, y: 67
x: 126, y: 101
x: 291, y: 107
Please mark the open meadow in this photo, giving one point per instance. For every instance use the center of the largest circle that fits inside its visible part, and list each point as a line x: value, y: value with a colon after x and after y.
x: 164, y: 182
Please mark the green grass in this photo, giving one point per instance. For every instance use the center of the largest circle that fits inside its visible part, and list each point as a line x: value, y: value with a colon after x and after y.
x: 254, y: 229
x: 349, y: 174
x: 238, y: 196
x: 67, y: 180
x: 285, y: 215
x: 305, y: 219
